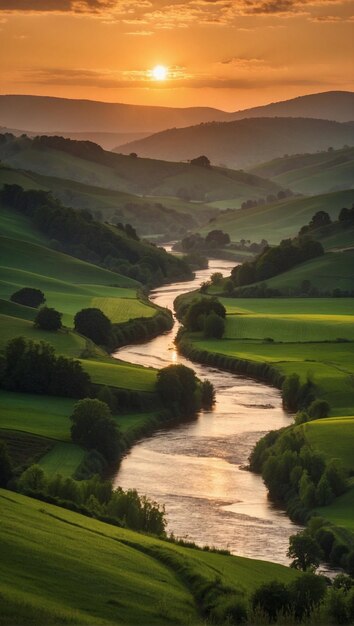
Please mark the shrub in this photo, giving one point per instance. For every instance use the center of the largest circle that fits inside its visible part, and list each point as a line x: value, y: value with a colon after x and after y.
x: 318, y: 409
x: 214, y: 326
x: 94, y: 324
x: 5, y: 465
x: 93, y: 428
x: 48, y: 319
x: 28, y: 296
x: 271, y: 599
x: 207, y: 394
x: 306, y: 593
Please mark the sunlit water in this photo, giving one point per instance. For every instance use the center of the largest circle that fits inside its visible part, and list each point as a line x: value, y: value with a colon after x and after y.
x: 196, y: 469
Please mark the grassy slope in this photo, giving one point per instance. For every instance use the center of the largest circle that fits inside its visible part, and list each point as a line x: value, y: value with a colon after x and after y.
x: 70, y: 568
x: 279, y: 220
x: 330, y: 364
x: 149, y: 177
x: 312, y: 173
x: 69, y: 285
x: 330, y: 271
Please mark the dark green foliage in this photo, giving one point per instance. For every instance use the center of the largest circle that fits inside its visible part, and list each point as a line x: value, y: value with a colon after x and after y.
x: 214, y: 326
x: 337, y: 606
x: 217, y: 239
x: 28, y: 296
x: 94, y: 428
x: 83, y: 237
x: 95, y: 325
x: 207, y: 394
x: 271, y: 599
x: 95, y: 498
x: 319, y: 409
x: 34, y: 368
x: 176, y: 386
x: 5, y: 465
x: 106, y: 395
x: 194, y: 317
x: 304, y: 551
x: 48, y: 319
x: 290, y: 392
x: 306, y: 593
x: 273, y: 261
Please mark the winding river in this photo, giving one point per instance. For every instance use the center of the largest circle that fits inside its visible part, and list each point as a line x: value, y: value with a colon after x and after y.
x: 196, y: 469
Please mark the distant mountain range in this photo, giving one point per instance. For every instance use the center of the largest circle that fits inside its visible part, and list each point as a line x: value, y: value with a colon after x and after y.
x: 245, y: 142
x: 42, y: 114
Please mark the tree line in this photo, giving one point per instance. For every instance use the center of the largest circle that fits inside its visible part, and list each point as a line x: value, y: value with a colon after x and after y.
x: 78, y: 234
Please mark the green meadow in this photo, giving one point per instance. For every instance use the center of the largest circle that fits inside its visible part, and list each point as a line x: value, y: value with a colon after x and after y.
x: 311, y: 173
x: 281, y: 219
x: 67, y: 568
x: 313, y: 338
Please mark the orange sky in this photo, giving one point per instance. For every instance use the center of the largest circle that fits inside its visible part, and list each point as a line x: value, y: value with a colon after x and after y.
x: 226, y: 53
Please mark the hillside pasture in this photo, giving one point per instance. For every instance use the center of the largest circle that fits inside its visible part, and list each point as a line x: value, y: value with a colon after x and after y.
x: 57, y: 564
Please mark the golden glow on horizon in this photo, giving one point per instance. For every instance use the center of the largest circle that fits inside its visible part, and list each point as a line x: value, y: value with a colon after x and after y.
x: 160, y: 72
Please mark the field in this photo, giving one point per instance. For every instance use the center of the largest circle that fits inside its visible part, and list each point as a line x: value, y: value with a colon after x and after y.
x: 333, y: 270
x: 312, y: 173
x: 281, y: 219
x: 73, y: 569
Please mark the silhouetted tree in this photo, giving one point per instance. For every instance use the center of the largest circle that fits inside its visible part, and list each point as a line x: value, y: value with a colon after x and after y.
x: 94, y: 324
x: 48, y: 319
x: 28, y: 296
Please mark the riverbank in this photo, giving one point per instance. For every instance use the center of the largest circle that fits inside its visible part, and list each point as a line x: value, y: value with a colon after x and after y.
x: 324, y: 370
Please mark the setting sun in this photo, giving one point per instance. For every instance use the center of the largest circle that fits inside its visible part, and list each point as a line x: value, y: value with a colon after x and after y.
x: 159, y: 72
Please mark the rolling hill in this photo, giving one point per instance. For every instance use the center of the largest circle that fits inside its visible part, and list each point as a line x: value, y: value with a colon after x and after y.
x: 41, y: 114
x: 154, y: 196
x: 279, y: 220
x: 245, y: 142
x: 312, y: 173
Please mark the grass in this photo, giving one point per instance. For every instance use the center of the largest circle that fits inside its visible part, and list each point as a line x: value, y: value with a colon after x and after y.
x: 340, y: 512
x: 116, y: 373
x: 279, y: 220
x: 328, y: 272
x: 311, y: 173
x: 334, y: 437
x: 63, y: 458
x: 73, y: 569
x: 123, y: 309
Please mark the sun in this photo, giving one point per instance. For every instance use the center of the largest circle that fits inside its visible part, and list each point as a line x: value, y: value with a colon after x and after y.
x: 160, y: 72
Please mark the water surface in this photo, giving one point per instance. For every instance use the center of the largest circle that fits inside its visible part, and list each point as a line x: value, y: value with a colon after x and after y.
x: 196, y: 469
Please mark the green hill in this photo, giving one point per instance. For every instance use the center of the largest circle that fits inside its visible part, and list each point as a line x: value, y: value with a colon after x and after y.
x: 316, y: 173
x: 331, y: 271
x: 90, y: 165
x: 281, y: 219
x: 246, y: 142
x: 59, y: 567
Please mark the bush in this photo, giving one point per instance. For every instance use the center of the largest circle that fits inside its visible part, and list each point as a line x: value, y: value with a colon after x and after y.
x: 5, y: 465
x: 34, y: 368
x: 28, y: 296
x: 214, y: 326
x: 306, y: 593
x: 207, y: 394
x: 271, y: 599
x: 48, y: 319
x: 94, y: 428
x: 94, y: 324
x: 318, y: 409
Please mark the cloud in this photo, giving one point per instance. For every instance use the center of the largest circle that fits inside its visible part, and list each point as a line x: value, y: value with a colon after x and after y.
x: 170, y: 14
x: 141, y: 79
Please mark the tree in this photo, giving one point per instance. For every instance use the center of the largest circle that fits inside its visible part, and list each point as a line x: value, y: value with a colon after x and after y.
x: 94, y: 428
x: 271, y: 598
x: 304, y: 551
x: 94, y: 324
x: 318, y: 409
x: 33, y: 479
x: 5, y: 465
x: 48, y: 319
x: 291, y: 391
x: 201, y: 161
x: 207, y: 395
x: 194, y: 320
x: 217, y: 238
x: 176, y: 386
x: 214, y: 326
x: 28, y: 296
x: 324, y: 492
x: 306, y: 592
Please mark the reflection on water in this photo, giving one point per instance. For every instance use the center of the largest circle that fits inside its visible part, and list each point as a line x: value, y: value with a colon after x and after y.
x: 196, y: 468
